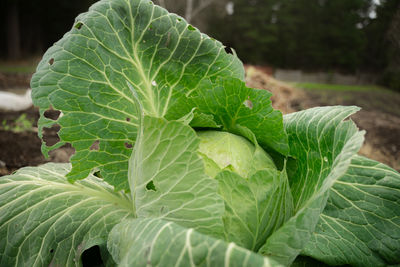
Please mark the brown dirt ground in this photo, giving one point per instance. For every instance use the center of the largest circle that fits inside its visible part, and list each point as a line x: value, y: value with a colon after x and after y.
x: 19, y: 149
x: 382, y: 122
x: 379, y: 116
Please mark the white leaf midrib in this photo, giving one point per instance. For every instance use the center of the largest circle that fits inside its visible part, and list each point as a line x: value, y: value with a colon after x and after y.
x: 82, y: 190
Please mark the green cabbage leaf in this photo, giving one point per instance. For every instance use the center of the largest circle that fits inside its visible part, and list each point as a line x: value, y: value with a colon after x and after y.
x: 47, y: 221
x: 85, y: 76
x: 360, y: 224
x: 170, y: 244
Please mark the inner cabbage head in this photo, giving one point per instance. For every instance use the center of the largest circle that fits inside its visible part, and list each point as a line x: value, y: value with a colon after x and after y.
x: 226, y: 151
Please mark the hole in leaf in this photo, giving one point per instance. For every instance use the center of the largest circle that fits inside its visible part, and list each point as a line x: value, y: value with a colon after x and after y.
x: 52, y: 114
x: 50, y: 135
x: 150, y: 27
x: 95, y: 145
x: 98, y: 174
x: 128, y: 145
x: 62, y: 154
x: 51, y: 61
x: 51, y: 250
x: 150, y: 186
x: 92, y: 257
x: 128, y: 119
x: 248, y: 104
x: 191, y: 28
x: 178, y: 20
x: 228, y: 50
x: 78, y: 25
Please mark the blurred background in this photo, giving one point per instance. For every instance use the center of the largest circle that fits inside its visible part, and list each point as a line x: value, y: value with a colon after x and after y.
x: 307, y: 52
x: 353, y: 37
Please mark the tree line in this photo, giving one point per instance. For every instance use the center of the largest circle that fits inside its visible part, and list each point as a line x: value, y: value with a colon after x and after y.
x: 312, y: 34
x: 30, y: 27
x: 318, y: 35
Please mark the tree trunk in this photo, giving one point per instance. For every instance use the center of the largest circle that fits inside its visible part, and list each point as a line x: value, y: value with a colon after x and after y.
x: 189, y: 10
x: 13, y: 37
x: 162, y: 4
x: 394, y: 37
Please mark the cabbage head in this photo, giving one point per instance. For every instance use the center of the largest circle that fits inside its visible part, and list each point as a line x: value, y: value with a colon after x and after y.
x: 225, y: 151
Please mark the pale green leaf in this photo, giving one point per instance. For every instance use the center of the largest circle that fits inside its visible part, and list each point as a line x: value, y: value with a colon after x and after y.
x: 361, y: 221
x: 85, y: 75
x: 168, y: 179
x: 317, y: 138
x: 287, y: 242
x: 254, y: 207
x: 45, y: 220
x: 235, y: 152
x: 321, y: 147
x: 154, y: 242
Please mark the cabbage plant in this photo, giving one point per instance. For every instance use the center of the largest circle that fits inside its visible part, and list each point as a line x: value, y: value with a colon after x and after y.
x: 178, y: 163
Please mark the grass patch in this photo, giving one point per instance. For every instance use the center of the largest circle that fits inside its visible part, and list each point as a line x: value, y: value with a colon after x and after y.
x: 339, y: 87
x: 21, y: 124
x: 17, y: 69
x: 21, y: 66
x: 368, y: 97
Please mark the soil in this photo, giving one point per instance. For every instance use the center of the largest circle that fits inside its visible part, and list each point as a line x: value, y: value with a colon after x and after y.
x: 380, y: 117
x: 19, y: 149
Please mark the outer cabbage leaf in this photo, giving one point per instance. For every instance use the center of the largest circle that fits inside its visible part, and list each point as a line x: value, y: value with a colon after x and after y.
x: 154, y: 242
x: 168, y: 179
x: 234, y: 105
x: 321, y: 145
x: 46, y: 221
x: 360, y: 224
x: 317, y: 139
x: 85, y: 76
x: 254, y: 207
